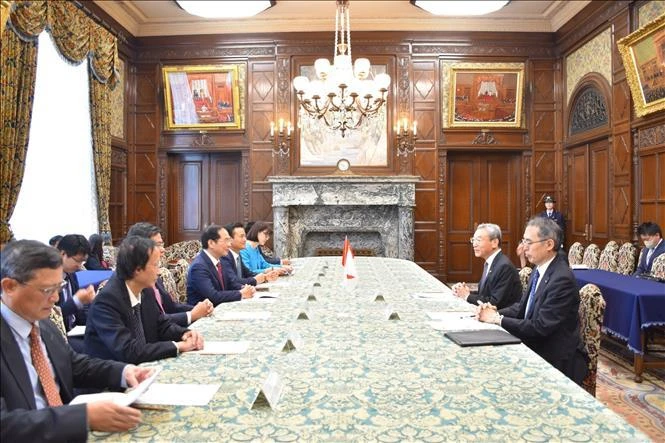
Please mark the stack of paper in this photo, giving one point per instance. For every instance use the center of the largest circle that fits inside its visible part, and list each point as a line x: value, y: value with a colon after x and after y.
x: 120, y: 398
x: 457, y: 321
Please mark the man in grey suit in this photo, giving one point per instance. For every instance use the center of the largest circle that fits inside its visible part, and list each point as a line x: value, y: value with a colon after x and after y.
x: 546, y: 319
x: 500, y: 282
x: 38, y: 369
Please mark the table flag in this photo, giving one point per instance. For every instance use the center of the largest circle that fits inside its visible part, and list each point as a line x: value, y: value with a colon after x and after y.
x: 348, y: 260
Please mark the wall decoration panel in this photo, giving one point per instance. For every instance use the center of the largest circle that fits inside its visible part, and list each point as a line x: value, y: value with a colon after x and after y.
x: 593, y: 56
x: 649, y: 12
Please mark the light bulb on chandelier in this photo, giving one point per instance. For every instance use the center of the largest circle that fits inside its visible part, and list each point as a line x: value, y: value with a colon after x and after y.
x: 344, y: 96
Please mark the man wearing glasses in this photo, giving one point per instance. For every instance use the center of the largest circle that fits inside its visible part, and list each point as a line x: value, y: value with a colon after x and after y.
x: 38, y: 369
x: 546, y: 319
x: 500, y: 283
x: 206, y: 277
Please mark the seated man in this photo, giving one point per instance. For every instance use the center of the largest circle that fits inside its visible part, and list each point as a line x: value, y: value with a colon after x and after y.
x: 38, y: 369
x: 206, y: 278
x: 125, y: 326
x: 500, y: 284
x: 74, y: 302
x: 257, y: 236
x: 546, y: 319
x: 652, y: 237
x: 182, y: 314
x: 232, y: 262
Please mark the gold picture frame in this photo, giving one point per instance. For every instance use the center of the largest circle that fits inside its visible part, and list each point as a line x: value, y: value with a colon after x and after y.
x: 643, y: 54
x: 202, y: 97
x: 485, y: 96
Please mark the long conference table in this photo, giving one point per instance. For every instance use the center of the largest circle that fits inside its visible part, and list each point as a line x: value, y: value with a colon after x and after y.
x: 632, y: 306
x: 357, y: 375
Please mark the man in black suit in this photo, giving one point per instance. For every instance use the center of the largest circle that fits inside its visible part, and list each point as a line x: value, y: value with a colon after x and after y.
x: 500, y: 282
x: 38, y: 370
x: 74, y: 301
x: 546, y: 319
x: 206, y: 277
x: 232, y: 262
x: 652, y: 237
x: 181, y: 313
x: 122, y: 324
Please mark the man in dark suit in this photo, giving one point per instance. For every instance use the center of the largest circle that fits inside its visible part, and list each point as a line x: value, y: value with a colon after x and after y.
x: 181, y: 313
x: 652, y: 237
x: 232, y: 262
x: 125, y: 326
x: 206, y: 277
x: 74, y: 301
x: 38, y: 369
x: 500, y: 282
x: 546, y: 319
x: 554, y: 215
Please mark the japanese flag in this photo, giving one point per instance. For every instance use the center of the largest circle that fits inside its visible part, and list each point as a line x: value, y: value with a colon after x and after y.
x: 348, y: 261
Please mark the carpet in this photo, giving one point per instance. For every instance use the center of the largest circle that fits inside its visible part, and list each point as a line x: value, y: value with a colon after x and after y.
x: 640, y: 404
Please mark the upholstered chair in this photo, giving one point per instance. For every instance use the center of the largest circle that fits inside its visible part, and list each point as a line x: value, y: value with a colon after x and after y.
x: 525, y: 274
x: 658, y: 267
x: 609, y: 258
x: 591, y: 256
x: 56, y: 318
x: 575, y: 253
x: 182, y: 250
x: 179, y: 272
x: 626, y: 260
x: 109, y: 254
x: 169, y: 283
x: 591, y: 311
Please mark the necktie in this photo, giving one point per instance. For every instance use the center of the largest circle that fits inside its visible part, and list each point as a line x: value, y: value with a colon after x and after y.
x: 41, y: 365
x: 220, y: 273
x: 158, y: 296
x: 67, y: 294
x: 532, y: 292
x: 483, y: 278
x: 649, y: 254
x: 238, y: 267
x: 137, y: 324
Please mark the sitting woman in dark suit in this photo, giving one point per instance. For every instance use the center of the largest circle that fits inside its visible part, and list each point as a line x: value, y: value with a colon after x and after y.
x: 95, y: 261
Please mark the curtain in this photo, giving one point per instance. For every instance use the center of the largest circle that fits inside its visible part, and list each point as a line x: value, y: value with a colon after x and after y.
x: 76, y: 36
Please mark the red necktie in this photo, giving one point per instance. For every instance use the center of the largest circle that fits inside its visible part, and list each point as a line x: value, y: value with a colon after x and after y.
x: 43, y: 371
x: 219, y: 272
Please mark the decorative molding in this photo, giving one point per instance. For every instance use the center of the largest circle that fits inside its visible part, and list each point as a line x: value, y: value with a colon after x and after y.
x: 652, y: 136
x: 484, y: 137
x: 118, y: 157
x: 154, y: 54
x: 163, y: 184
x: 245, y: 184
x: 636, y: 189
x: 457, y: 49
x: 283, y: 85
x: 589, y: 111
x: 528, y: 155
x: 442, y: 189
x: 358, y: 48
x: 203, y: 141
x: 593, y: 21
x: 403, y: 86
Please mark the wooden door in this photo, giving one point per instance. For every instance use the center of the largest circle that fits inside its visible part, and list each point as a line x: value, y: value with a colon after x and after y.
x: 204, y: 188
x: 482, y: 188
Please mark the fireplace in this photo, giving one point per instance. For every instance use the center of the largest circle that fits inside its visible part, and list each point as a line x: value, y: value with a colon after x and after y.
x: 312, y: 213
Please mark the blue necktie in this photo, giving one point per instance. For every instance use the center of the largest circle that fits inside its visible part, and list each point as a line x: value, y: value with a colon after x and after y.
x: 532, y: 292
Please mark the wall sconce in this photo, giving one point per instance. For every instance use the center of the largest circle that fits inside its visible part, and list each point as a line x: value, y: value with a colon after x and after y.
x: 280, y: 137
x: 406, y: 146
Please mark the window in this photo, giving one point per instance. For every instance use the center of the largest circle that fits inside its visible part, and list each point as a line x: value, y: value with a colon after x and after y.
x: 58, y: 194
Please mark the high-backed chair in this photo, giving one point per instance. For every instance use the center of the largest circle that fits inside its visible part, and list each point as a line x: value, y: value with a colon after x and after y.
x: 182, y: 250
x: 179, y: 272
x: 591, y: 256
x: 609, y: 258
x: 658, y: 267
x: 56, y: 317
x: 525, y: 274
x: 109, y: 253
x: 591, y: 311
x: 626, y: 260
x: 169, y: 283
x: 575, y: 253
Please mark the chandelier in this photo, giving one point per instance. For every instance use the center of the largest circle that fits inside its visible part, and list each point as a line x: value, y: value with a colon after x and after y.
x: 344, y: 96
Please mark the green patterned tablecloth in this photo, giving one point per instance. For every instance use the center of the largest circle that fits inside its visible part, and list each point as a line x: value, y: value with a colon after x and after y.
x: 361, y: 377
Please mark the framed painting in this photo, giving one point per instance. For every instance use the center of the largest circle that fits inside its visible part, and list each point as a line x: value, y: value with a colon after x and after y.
x: 643, y: 54
x: 202, y: 97
x: 485, y: 96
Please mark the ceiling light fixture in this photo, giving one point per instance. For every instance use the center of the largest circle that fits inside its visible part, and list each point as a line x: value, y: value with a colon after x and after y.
x: 224, y: 9
x: 460, y: 8
x: 344, y: 96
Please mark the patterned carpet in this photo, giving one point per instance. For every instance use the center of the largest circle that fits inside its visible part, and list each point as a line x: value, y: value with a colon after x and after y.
x: 641, y: 404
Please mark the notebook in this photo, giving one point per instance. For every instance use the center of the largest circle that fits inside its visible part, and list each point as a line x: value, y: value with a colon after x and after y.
x: 483, y: 337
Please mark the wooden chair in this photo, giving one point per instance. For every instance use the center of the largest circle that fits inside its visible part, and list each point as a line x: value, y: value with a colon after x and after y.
x: 525, y: 274
x: 576, y: 253
x: 591, y: 256
x: 609, y: 258
x: 626, y: 259
x: 591, y: 311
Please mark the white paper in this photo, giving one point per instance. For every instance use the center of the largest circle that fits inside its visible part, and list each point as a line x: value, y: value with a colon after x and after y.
x: 430, y: 295
x: 241, y: 316
x: 222, y: 348
x: 76, y: 331
x: 580, y: 266
x: 121, y: 398
x: 179, y: 394
x: 443, y: 315
x: 456, y: 321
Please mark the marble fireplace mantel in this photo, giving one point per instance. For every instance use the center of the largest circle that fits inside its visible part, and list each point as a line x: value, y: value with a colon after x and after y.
x: 375, y: 212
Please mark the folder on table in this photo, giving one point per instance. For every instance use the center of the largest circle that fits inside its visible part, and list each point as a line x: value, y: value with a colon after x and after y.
x: 482, y: 337
x: 87, y: 278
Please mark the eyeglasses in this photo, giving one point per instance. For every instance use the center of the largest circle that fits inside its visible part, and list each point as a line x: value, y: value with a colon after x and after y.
x: 473, y: 240
x: 528, y: 242
x: 47, y: 292
x: 79, y: 260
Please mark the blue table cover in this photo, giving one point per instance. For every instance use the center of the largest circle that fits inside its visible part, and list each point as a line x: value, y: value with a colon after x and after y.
x: 632, y: 303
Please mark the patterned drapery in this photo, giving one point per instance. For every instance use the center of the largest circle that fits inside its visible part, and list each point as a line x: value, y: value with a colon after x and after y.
x: 76, y: 36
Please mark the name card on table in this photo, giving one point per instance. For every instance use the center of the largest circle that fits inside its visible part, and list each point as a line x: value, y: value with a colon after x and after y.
x: 293, y: 341
x: 391, y: 314
x: 303, y: 315
x: 380, y: 298
x: 311, y: 297
x: 269, y: 394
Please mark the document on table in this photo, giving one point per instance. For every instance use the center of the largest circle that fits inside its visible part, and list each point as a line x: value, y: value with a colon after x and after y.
x: 459, y: 321
x: 76, y: 331
x: 222, y: 348
x: 178, y: 394
x: 262, y: 296
x: 431, y: 295
x: 121, y: 398
x: 242, y: 316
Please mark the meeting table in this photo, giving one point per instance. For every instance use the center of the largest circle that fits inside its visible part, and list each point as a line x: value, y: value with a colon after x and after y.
x: 359, y: 360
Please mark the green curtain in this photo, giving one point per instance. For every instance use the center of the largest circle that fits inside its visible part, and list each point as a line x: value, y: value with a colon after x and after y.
x: 76, y: 36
